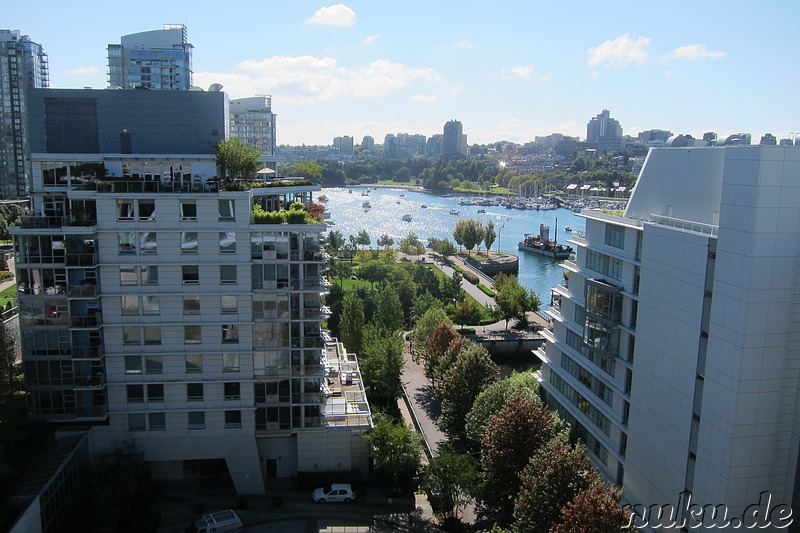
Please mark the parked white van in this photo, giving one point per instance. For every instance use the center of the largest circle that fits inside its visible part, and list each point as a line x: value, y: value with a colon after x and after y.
x: 218, y: 522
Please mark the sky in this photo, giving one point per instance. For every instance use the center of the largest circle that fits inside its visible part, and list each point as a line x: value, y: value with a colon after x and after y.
x: 508, y: 70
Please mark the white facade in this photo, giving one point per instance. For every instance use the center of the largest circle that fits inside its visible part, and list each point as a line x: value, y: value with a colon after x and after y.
x: 705, y: 380
x: 156, y: 310
x: 253, y: 123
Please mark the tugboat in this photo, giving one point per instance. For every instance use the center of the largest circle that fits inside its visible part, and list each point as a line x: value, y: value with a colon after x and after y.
x: 406, y: 218
x: 366, y: 205
x: 542, y: 245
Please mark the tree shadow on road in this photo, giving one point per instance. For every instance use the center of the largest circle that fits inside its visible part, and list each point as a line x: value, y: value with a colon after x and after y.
x: 425, y: 398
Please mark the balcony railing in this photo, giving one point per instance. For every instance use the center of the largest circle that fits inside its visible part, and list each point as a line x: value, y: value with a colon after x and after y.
x: 94, y: 321
x: 97, y: 381
x: 91, y: 352
x: 97, y: 411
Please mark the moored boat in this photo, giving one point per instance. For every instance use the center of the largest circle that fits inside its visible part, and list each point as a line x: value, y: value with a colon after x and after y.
x: 407, y: 218
x: 542, y: 245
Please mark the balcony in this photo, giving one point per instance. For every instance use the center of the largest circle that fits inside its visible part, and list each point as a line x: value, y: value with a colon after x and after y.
x: 86, y: 322
x: 91, y: 352
x: 95, y: 381
x: 83, y: 291
x: 93, y: 412
x: 307, y: 370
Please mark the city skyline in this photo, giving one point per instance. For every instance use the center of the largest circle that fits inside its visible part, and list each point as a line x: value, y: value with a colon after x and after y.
x: 507, y: 73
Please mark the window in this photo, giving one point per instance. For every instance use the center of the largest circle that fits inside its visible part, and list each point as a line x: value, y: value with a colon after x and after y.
x: 158, y: 421
x: 133, y: 364
x: 194, y: 363
x: 130, y: 305
x: 227, y: 274
x: 192, y: 334
x: 232, y: 390
x: 230, y: 362
x: 615, y: 236
x: 155, y: 392
x: 194, y: 391
x: 147, y: 209
x: 229, y: 304
x: 191, y: 305
x: 227, y: 242
x: 131, y: 335
x: 135, y: 393
x: 148, y: 243
x: 197, y: 420
x: 153, y: 364
x: 124, y: 210
x: 230, y: 333
x: 151, y: 334
x: 136, y: 422
x: 188, y: 211
x: 226, y: 211
x: 188, y: 242
x: 149, y: 275
x: 233, y: 419
x: 127, y: 242
x: 191, y: 274
x: 150, y: 305
x: 128, y: 275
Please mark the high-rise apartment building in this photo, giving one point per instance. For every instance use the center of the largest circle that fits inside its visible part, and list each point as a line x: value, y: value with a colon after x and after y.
x: 23, y: 66
x: 157, y: 59
x: 454, y: 141
x: 602, y: 125
x: 253, y: 123
x: 674, y: 351
x: 155, y: 307
x: 368, y: 143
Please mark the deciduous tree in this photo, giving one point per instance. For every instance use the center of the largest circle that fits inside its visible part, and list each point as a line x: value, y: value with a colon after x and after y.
x: 411, y: 245
x: 388, y: 311
x: 425, y: 326
x: 381, y: 363
x: 395, y: 451
x: 494, y: 398
x: 489, y: 235
x: 351, y: 323
x: 451, y: 480
x: 236, y: 159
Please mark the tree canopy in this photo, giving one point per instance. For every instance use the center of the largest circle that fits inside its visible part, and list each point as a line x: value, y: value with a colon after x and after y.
x: 236, y: 159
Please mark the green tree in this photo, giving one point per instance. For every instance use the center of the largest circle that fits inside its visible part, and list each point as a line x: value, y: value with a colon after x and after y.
x: 489, y: 235
x: 363, y: 238
x: 450, y: 480
x: 557, y: 472
x: 381, y: 363
x: 411, y: 245
x: 388, y: 311
x: 468, y: 232
x: 11, y: 382
x: 494, y: 398
x: 395, y: 452
x: 512, y: 436
x: 425, y: 326
x: 471, y: 372
x: 335, y: 240
x: 467, y: 312
x: 385, y: 241
x: 373, y: 271
x: 306, y: 169
x: 513, y: 300
x: 351, y: 322
x: 236, y: 159
x: 402, y: 175
x: 442, y: 350
x: 443, y: 247
x: 450, y: 288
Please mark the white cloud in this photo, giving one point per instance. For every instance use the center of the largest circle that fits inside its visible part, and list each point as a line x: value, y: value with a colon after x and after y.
x: 307, y: 80
x: 91, y: 69
x: 523, y: 71
x: 370, y: 39
x: 545, y: 78
x: 692, y: 52
x: 620, y: 52
x: 338, y: 15
x: 464, y: 45
x: 425, y: 98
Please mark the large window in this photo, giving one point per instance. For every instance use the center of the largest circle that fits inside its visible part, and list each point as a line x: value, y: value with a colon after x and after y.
x: 615, y: 236
x: 131, y: 242
x: 227, y: 242
x: 603, y: 300
x: 227, y: 274
x: 190, y: 274
x: 188, y: 242
x: 192, y: 334
x: 233, y: 419
x: 188, y: 210
x: 194, y: 363
x: 226, y: 211
x: 604, y: 264
x: 197, y: 420
x: 194, y: 391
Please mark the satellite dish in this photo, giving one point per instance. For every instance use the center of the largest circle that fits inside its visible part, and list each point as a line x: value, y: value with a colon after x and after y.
x: 215, y: 87
x: 195, y: 88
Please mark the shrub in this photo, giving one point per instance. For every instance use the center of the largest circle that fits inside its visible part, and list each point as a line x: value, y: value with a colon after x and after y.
x: 486, y: 290
x: 295, y: 216
x: 470, y: 276
x: 266, y: 217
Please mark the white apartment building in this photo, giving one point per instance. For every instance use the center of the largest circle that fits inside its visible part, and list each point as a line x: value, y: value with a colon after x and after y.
x: 675, y: 347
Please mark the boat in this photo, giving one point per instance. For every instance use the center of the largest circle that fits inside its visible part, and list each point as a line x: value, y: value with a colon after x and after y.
x: 423, y: 206
x: 454, y: 211
x: 568, y: 229
x: 481, y: 211
x: 366, y: 205
x: 542, y: 245
x: 407, y: 218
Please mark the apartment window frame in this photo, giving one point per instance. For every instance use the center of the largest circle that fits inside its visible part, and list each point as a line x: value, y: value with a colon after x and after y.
x: 230, y: 333
x: 189, y: 242
x: 233, y: 419
x: 193, y: 363
x: 615, y: 236
x: 155, y: 392
x: 157, y: 421
x: 192, y: 334
x: 195, y: 392
x: 188, y: 210
x: 229, y: 304
x: 230, y: 362
x: 232, y: 390
x: 227, y: 247
x: 190, y: 274
x: 191, y: 304
x: 228, y: 275
x: 134, y: 393
x: 226, y: 209
x: 137, y: 422
x: 196, y: 419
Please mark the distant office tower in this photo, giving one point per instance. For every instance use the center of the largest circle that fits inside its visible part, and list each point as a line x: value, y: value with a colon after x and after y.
x: 433, y: 146
x: 674, y: 349
x: 390, y: 146
x: 23, y: 66
x: 769, y: 139
x: 367, y: 143
x: 253, y: 123
x: 157, y: 59
x: 453, y: 140
x: 654, y: 137
x: 346, y: 145
x: 602, y: 126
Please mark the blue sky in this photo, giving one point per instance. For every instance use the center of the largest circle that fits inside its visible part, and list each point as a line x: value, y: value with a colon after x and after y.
x: 508, y: 70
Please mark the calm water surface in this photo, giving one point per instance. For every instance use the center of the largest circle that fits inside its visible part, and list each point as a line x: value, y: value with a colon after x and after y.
x: 389, y: 205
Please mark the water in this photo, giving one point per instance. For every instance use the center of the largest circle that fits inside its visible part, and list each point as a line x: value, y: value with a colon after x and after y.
x: 389, y: 205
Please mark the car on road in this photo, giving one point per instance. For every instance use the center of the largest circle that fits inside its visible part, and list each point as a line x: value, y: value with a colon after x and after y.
x: 338, y: 492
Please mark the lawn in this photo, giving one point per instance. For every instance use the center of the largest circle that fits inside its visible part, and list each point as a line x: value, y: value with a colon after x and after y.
x: 8, y: 295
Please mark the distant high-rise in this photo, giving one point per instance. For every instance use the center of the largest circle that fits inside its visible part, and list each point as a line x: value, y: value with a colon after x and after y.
x: 769, y: 139
x: 433, y: 147
x: 602, y: 126
x: 253, y: 123
x: 23, y: 66
x: 454, y: 141
x: 367, y: 143
x: 157, y: 59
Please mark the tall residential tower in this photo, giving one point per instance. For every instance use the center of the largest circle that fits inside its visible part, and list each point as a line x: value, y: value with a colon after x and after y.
x: 157, y: 59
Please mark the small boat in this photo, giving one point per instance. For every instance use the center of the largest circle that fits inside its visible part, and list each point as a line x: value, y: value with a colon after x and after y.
x: 423, y: 206
x: 349, y: 191
x: 568, y: 229
x: 407, y: 218
x: 454, y: 211
x: 481, y: 211
x: 366, y: 205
